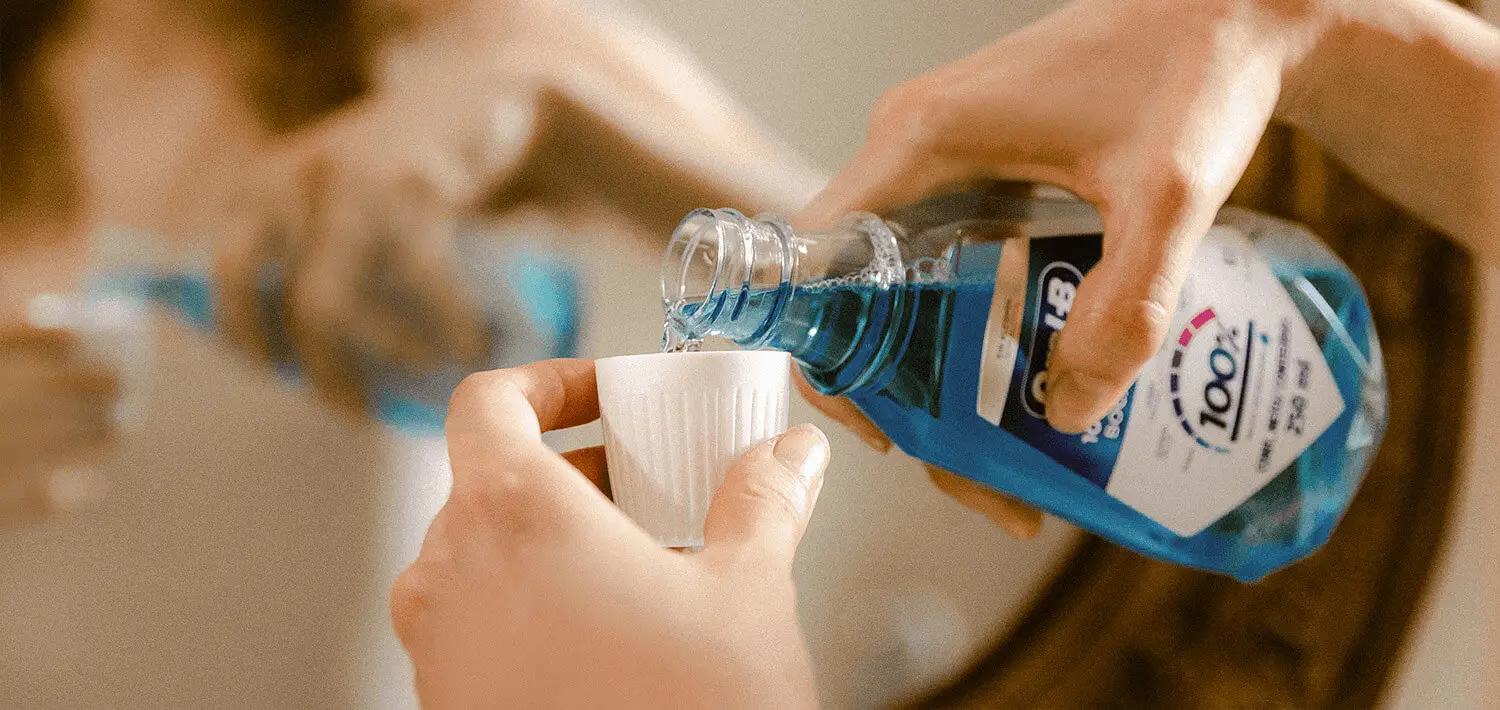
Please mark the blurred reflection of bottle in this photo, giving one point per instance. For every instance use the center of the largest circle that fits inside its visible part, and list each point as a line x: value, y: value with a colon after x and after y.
x: 529, y: 297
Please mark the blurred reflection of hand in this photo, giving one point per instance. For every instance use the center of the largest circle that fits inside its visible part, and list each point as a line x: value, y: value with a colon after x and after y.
x: 482, y: 106
x: 573, y: 107
x: 364, y: 269
x: 57, y: 415
x: 533, y: 590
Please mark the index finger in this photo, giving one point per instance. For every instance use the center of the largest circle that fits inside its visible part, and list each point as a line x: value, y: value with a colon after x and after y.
x: 522, y: 402
x: 495, y: 425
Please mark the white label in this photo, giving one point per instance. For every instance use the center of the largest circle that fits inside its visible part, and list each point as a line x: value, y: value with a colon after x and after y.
x: 1238, y: 392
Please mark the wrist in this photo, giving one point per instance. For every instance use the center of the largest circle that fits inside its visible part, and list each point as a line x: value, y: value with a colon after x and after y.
x: 1283, y: 35
x: 1301, y: 37
x: 1320, y: 40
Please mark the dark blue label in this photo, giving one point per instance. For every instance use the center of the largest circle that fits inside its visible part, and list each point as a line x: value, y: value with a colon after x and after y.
x: 1054, y: 291
x: 1056, y: 267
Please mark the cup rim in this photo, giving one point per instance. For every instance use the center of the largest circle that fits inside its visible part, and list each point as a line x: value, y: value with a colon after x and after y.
x: 702, y: 354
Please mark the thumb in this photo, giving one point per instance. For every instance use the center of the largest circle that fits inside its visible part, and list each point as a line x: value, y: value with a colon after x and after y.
x: 1122, y: 311
x: 768, y: 496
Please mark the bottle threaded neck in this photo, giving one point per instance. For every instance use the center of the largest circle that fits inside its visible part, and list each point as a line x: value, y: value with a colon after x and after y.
x: 759, y: 284
x: 724, y: 273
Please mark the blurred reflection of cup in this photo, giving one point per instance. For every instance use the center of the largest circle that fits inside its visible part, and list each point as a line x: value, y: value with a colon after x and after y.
x: 114, y: 333
x: 109, y: 315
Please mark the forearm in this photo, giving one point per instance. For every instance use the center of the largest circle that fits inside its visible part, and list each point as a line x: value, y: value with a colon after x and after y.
x: 616, y: 115
x: 645, y: 128
x: 1407, y: 94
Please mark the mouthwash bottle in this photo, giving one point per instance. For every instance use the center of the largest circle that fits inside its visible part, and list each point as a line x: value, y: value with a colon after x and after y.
x: 1237, y: 449
x: 530, y: 300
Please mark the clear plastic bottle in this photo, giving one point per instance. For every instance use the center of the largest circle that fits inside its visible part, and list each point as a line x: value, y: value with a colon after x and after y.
x: 1238, y: 448
x: 530, y: 299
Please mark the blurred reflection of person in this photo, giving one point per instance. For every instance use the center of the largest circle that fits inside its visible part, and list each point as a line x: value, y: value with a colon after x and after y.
x: 311, y: 133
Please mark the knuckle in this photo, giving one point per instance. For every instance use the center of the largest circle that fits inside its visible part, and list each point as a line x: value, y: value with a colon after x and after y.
x: 411, y: 602
x: 476, y: 392
x: 909, y: 113
x: 467, y: 395
x: 1176, y: 190
x: 776, y: 489
x: 505, y: 515
x: 503, y: 502
x: 502, y: 493
x: 1138, y: 325
x: 541, y: 388
x: 499, y: 499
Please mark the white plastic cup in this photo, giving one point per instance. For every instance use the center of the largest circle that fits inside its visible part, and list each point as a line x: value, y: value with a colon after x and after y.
x: 110, y: 312
x: 114, y: 332
x: 674, y: 423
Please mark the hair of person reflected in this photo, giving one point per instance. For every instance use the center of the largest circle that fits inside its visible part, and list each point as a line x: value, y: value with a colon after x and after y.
x: 294, y: 61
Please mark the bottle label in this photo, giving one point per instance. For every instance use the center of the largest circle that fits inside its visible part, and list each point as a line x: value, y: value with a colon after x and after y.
x: 1238, y: 392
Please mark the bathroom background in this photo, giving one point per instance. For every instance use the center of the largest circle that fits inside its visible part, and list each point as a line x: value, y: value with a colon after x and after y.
x: 243, y: 554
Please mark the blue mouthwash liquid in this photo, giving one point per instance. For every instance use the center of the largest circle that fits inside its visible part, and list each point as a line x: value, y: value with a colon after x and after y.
x: 1236, y: 451
x: 529, y: 300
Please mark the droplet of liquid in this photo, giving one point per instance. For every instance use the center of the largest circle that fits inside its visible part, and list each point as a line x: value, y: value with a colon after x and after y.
x: 673, y: 341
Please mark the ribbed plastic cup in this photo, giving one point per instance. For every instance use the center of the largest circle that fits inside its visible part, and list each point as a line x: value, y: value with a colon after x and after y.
x: 674, y: 422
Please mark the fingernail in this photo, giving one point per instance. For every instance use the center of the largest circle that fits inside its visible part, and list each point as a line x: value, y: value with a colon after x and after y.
x: 803, y: 449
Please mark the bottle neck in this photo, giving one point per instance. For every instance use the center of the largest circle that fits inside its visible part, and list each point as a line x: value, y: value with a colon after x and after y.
x: 758, y: 282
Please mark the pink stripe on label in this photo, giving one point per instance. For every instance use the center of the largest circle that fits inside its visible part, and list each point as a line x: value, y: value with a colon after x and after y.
x: 1204, y: 317
x: 1186, y: 336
